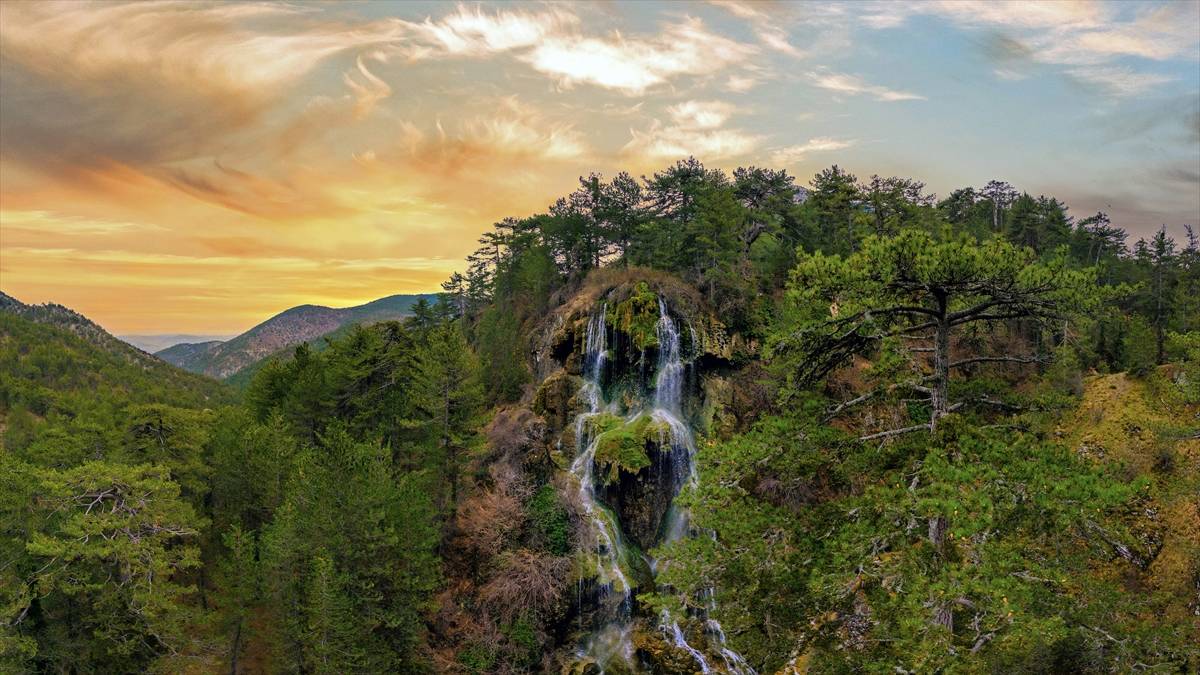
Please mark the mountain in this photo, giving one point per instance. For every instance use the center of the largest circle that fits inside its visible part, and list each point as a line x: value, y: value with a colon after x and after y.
x: 286, y: 329
x: 154, y: 343
x: 54, y: 358
x: 193, y: 356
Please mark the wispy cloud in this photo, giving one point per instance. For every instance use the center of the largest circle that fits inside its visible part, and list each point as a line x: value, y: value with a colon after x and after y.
x: 696, y: 128
x: 553, y: 43
x: 477, y: 32
x: 1082, y: 36
x: 793, y: 154
x: 1119, y: 81
x: 518, y: 129
x: 49, y: 222
x: 851, y: 84
x: 701, y: 114
x: 633, y: 65
x: 765, y: 24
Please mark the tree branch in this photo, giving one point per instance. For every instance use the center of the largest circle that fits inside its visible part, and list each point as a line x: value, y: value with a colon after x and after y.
x: 894, y: 432
x: 996, y: 359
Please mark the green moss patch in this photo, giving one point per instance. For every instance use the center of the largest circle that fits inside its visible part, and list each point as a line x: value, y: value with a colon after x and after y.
x: 623, y: 448
x: 637, y: 317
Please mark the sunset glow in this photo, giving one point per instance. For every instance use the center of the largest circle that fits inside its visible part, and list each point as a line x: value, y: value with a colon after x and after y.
x: 195, y: 167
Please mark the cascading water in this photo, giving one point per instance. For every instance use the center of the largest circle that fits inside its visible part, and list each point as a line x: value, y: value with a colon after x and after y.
x: 612, y: 636
x: 668, y: 408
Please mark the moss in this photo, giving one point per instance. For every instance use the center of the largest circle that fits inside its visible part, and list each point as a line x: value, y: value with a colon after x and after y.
x: 601, y: 423
x: 637, y: 317
x: 623, y: 448
x: 555, y: 398
x: 550, y: 521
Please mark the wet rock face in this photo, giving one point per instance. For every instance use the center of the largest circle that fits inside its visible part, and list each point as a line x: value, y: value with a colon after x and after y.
x: 660, y: 656
x: 630, y: 372
x: 641, y: 499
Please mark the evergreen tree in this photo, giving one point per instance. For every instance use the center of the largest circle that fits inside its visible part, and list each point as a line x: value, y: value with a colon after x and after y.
x: 835, y: 201
x: 911, y: 289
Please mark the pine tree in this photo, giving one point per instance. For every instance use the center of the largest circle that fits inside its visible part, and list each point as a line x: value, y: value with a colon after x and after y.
x: 914, y: 294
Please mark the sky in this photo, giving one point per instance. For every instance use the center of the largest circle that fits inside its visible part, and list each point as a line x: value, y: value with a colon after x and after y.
x: 191, y: 167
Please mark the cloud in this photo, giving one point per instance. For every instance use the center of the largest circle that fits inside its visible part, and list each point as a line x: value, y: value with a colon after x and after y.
x: 370, y: 91
x: 178, y: 94
x: 477, y: 33
x: 765, y: 24
x: 1119, y: 81
x: 553, y: 44
x: 635, y: 64
x: 1083, y: 37
x: 741, y: 83
x: 701, y: 114
x: 793, y: 154
x: 850, y: 84
x: 519, y: 130
x: 178, y: 44
x: 44, y: 222
x: 696, y: 129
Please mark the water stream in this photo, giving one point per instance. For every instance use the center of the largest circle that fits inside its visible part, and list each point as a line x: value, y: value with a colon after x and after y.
x: 613, y: 638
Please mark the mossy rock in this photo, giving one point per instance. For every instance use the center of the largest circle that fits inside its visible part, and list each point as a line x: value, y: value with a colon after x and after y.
x: 556, y: 399
x: 623, y: 448
x: 653, y: 648
x: 637, y: 316
x: 716, y: 419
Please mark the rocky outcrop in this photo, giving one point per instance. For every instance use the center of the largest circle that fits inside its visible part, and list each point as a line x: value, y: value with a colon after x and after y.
x: 630, y: 367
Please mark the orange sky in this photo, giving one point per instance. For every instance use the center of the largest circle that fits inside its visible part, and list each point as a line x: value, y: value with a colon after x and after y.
x: 193, y: 167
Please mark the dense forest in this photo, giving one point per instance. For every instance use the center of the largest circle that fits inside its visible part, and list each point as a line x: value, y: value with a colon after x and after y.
x: 692, y: 422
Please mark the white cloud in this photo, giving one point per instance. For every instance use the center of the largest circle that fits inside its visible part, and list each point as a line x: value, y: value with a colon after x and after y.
x: 1120, y: 82
x: 519, y: 129
x: 765, y: 24
x: 850, y: 84
x: 696, y: 128
x: 367, y: 93
x: 671, y: 142
x: 793, y: 154
x: 636, y: 64
x: 475, y: 32
x: 701, y: 114
x: 553, y: 44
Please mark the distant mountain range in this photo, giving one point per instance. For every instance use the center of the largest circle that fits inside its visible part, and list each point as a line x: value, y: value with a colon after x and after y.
x: 306, y: 323
x: 156, y: 343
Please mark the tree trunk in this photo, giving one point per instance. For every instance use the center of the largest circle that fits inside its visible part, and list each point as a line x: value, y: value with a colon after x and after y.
x: 941, y: 364
x: 237, y: 647
x: 1158, y: 315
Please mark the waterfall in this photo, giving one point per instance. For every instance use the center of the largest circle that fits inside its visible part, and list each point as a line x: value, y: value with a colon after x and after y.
x: 613, y: 639
x: 668, y: 408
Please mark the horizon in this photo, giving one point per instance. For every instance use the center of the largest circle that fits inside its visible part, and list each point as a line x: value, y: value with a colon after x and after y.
x: 281, y: 155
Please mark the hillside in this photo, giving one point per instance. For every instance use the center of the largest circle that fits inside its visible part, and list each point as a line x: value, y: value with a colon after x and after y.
x: 58, y: 364
x: 289, y: 328
x: 63, y: 351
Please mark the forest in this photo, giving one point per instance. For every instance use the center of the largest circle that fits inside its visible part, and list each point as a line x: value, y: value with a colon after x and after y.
x: 688, y: 422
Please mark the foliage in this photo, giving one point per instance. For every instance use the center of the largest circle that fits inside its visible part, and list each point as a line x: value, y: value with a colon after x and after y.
x: 348, y: 516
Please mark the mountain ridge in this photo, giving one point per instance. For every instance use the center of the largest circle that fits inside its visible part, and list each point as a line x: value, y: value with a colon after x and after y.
x: 292, y: 326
